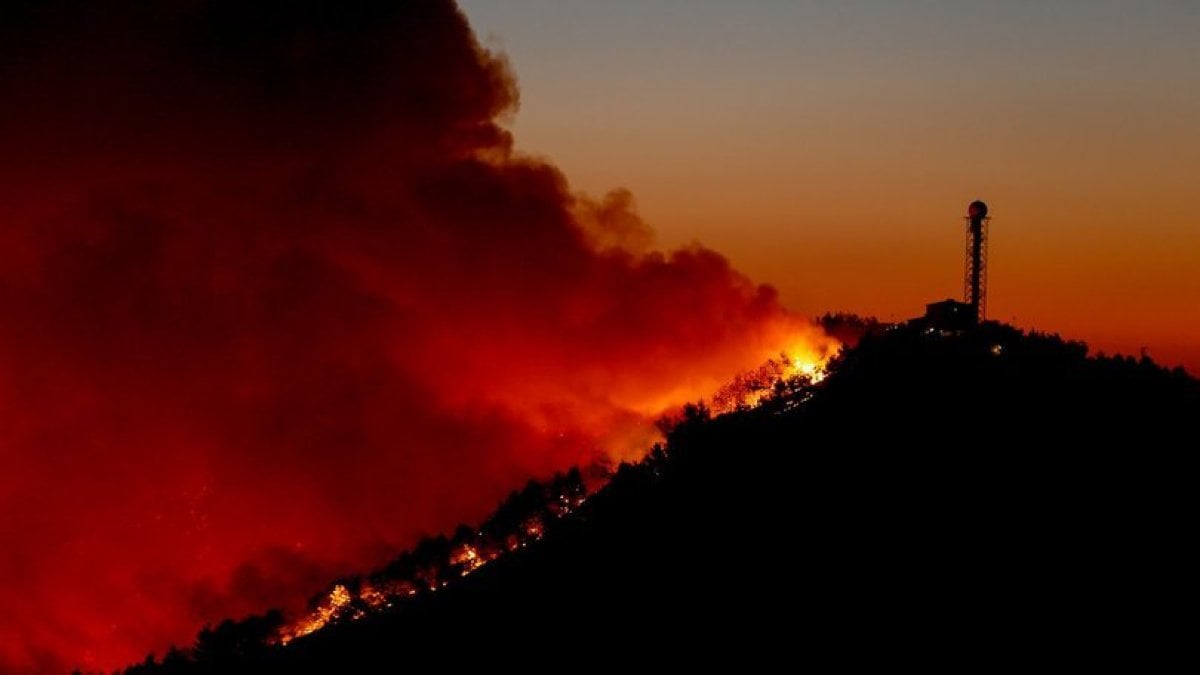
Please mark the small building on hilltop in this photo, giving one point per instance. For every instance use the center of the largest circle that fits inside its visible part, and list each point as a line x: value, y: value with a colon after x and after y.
x: 951, y: 315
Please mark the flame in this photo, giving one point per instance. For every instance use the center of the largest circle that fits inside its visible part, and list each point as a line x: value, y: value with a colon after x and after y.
x: 471, y: 557
x: 803, y: 364
x: 533, y: 528
x: 340, y: 602
x: 807, y: 361
x: 330, y: 608
x: 373, y: 597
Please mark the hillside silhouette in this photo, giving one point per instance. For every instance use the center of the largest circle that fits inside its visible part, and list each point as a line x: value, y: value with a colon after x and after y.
x: 984, y: 497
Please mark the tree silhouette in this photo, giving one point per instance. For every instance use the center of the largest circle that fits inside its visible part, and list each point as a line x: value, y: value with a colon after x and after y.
x: 934, y: 491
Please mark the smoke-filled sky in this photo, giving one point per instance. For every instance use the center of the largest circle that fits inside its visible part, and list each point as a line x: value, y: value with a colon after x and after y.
x: 276, y: 297
x: 285, y: 284
x: 832, y: 147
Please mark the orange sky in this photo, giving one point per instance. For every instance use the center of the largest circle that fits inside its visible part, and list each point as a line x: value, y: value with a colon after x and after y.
x: 276, y: 300
x: 832, y: 150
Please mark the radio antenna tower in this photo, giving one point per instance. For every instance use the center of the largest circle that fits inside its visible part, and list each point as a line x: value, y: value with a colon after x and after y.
x: 975, y: 281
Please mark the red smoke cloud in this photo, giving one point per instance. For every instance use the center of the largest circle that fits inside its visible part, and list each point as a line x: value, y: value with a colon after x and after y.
x: 276, y: 296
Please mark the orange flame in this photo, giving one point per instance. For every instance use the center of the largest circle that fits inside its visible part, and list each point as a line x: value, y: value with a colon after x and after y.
x: 804, y: 362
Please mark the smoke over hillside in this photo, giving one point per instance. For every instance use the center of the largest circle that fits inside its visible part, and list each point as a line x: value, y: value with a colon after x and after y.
x: 276, y: 296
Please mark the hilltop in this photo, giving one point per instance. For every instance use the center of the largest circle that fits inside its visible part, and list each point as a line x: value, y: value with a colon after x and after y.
x: 941, y: 498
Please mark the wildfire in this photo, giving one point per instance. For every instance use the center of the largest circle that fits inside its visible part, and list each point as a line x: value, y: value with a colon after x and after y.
x: 470, y: 558
x: 533, y: 528
x: 791, y: 371
x: 470, y: 551
x: 331, y: 607
x: 373, y: 597
x: 805, y: 359
x: 801, y: 365
x: 813, y: 371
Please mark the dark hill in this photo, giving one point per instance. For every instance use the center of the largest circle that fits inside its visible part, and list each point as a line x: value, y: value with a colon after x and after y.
x: 940, y: 500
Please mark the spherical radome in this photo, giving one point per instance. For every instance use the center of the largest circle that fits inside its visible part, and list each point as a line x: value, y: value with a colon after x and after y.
x: 977, y: 209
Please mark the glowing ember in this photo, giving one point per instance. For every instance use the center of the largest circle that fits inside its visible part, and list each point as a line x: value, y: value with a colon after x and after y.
x: 479, y: 548
x: 533, y: 528
x: 792, y: 371
x: 373, y: 596
x: 470, y: 559
x: 338, y: 599
x: 802, y: 365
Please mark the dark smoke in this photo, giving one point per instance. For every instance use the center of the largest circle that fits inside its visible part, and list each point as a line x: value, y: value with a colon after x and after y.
x: 276, y: 296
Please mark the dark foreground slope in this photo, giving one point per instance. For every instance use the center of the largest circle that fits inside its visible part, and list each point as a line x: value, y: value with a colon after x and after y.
x: 955, y: 500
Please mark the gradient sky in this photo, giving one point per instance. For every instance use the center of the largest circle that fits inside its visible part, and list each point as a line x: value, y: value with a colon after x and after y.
x: 276, y: 299
x: 831, y: 148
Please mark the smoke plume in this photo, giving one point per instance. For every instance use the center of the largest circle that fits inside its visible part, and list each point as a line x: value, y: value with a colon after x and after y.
x: 277, y: 296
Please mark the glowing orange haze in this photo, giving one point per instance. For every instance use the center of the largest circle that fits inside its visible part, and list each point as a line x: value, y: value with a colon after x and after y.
x: 1121, y: 271
x: 277, y: 297
x: 1105, y: 253
x: 278, y: 294
x: 832, y: 148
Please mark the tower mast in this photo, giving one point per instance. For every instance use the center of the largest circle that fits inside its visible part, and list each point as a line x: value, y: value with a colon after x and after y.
x: 975, y: 282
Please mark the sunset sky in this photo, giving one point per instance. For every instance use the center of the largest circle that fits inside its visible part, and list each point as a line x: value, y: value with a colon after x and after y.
x: 831, y: 148
x: 278, y: 296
